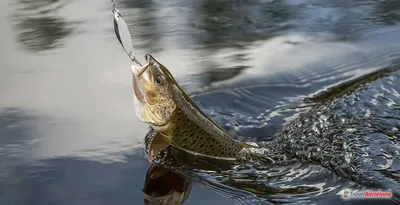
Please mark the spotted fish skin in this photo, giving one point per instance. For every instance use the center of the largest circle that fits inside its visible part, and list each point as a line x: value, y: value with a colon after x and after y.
x: 188, y: 135
x: 161, y: 102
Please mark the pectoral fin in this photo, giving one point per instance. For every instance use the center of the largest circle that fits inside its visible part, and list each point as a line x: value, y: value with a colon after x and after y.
x: 159, y: 143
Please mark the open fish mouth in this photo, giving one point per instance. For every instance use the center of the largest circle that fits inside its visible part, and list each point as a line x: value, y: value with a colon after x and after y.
x: 137, y: 71
x: 138, y: 93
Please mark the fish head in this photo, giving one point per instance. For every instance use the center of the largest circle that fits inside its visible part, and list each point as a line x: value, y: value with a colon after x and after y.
x: 153, y: 93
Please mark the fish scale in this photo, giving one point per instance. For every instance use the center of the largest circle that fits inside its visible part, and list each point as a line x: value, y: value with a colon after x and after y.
x: 187, y: 135
x: 162, y: 103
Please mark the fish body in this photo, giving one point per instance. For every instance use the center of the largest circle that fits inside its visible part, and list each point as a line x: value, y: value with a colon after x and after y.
x: 161, y: 102
x: 206, y: 139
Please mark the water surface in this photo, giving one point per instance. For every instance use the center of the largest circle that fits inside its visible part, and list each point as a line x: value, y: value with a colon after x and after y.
x: 68, y: 134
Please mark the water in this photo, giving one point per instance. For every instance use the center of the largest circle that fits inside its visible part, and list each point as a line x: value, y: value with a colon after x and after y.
x: 68, y: 134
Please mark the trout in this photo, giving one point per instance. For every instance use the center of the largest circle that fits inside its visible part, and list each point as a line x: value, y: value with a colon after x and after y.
x: 160, y: 102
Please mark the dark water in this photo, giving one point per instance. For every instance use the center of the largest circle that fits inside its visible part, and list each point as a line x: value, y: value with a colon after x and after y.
x: 68, y: 134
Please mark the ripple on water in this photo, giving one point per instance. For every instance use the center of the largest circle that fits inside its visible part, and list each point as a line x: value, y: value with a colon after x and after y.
x: 357, y: 140
x: 261, y: 102
x: 354, y: 135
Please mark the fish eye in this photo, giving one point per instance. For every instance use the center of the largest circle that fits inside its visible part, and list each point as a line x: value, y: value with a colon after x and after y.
x: 159, y: 79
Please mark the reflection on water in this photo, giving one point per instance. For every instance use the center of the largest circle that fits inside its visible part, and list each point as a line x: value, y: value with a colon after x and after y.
x: 38, y: 26
x: 162, y: 186
x: 327, y: 141
x: 341, y: 133
x: 143, y: 23
x: 219, y: 24
x: 68, y: 134
x: 212, y: 73
x: 388, y: 12
x: 16, y: 139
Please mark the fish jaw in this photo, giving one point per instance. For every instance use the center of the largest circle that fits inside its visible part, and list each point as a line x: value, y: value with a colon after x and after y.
x: 153, y: 103
x: 140, y: 77
x: 139, y: 97
x: 138, y: 90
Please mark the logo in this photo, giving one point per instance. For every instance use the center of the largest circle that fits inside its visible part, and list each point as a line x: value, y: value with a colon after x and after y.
x: 346, y: 193
x: 365, y: 194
